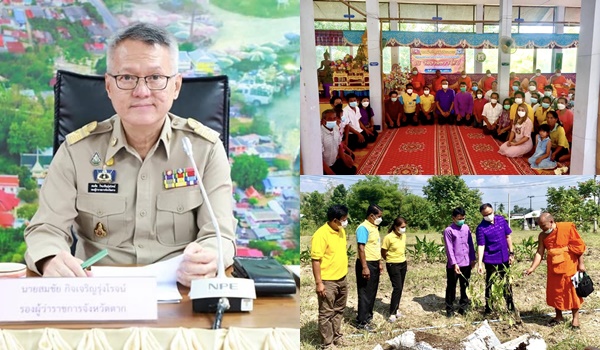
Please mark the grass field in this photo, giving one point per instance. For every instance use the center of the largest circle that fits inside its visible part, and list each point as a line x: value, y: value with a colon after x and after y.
x: 422, y: 305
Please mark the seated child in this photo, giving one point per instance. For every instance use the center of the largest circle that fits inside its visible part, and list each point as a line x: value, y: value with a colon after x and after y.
x: 541, y: 157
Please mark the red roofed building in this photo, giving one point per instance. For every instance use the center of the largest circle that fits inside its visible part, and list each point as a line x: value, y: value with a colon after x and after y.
x: 9, y: 184
x: 251, y: 252
x: 86, y: 22
x: 28, y: 13
x: 15, y: 47
x: 251, y: 192
x: 8, y: 202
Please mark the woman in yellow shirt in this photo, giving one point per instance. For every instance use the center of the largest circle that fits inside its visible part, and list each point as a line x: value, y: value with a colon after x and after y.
x: 393, y: 251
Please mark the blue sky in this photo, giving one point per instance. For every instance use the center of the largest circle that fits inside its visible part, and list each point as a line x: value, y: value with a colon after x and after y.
x: 495, y: 189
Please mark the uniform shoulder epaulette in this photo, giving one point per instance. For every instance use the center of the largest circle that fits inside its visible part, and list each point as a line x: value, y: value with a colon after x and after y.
x: 192, y: 125
x: 87, y: 130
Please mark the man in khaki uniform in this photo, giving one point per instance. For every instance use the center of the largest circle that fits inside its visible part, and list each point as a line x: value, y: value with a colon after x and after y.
x: 125, y: 184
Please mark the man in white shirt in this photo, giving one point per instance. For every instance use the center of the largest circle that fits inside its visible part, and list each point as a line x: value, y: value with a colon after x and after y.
x: 356, y: 134
x: 335, y: 160
x: 491, y: 112
x: 531, y: 88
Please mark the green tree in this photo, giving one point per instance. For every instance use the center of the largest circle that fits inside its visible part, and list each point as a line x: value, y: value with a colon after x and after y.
x: 281, y: 164
x: 100, y: 67
x: 575, y: 203
x: 375, y: 190
x: 501, y: 208
x: 27, y: 211
x: 266, y: 247
x: 448, y: 192
x: 28, y: 196
x: 253, y: 201
x: 519, y: 210
x: 289, y: 257
x: 417, y: 211
x: 260, y: 125
x: 249, y: 170
x: 339, y: 195
x: 312, y: 208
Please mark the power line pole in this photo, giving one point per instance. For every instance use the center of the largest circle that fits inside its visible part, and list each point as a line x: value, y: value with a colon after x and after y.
x: 530, y: 207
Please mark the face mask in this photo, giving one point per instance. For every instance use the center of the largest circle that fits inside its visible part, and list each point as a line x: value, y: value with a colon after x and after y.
x: 460, y: 222
x: 353, y: 104
x: 534, y: 100
x: 521, y: 113
x: 558, y: 74
x: 402, y: 229
x: 494, y: 101
x: 531, y: 88
x: 489, y: 218
x: 426, y: 92
x: 507, y: 107
x: 365, y: 104
x: 394, y: 99
x: 548, y: 231
x: 463, y: 88
x: 515, y: 87
x: 570, y: 95
x: 479, y: 95
x: 378, y: 221
x: 338, y: 106
x: 409, y: 91
x: 548, y: 93
x: 518, y: 100
x: 572, y: 103
x: 330, y: 125
x: 464, y: 76
x: 538, y: 74
x: 545, y: 105
x: 344, y: 223
x: 488, y: 75
x: 415, y: 72
x: 561, y: 106
x: 444, y: 86
x: 474, y: 88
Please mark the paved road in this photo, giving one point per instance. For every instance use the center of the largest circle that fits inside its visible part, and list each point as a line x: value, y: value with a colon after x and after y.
x: 109, y: 19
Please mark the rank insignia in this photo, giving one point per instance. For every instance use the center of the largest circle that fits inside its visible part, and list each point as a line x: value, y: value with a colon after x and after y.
x: 100, y: 231
x: 179, y: 178
x: 104, y: 175
x: 96, y: 159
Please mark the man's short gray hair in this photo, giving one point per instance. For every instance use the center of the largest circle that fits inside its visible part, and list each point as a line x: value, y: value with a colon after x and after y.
x: 147, y: 33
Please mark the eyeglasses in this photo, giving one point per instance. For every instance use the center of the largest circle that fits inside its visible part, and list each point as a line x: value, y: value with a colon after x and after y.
x: 153, y: 82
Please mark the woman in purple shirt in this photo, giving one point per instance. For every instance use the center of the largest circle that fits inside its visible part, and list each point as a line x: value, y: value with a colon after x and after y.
x: 366, y: 117
x: 495, y: 250
x: 461, y: 259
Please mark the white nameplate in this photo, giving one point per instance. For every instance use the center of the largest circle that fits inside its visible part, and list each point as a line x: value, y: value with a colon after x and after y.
x: 78, y: 299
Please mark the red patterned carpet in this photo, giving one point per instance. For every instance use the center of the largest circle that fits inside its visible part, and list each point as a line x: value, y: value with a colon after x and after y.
x: 439, y: 150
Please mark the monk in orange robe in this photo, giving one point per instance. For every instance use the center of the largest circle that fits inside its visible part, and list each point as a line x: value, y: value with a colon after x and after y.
x: 559, y: 82
x: 565, y: 257
x: 418, y: 81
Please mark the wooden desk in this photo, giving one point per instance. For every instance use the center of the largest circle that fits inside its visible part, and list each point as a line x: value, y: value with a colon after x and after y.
x: 268, y: 312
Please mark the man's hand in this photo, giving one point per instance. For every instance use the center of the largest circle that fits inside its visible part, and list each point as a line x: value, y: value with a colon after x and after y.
x: 321, y: 289
x: 64, y: 265
x: 197, y: 263
x: 457, y: 269
x: 368, y: 132
x: 528, y: 272
x: 581, y: 267
x: 361, y: 138
x: 480, y: 268
x: 366, y: 273
x: 511, y: 259
x: 380, y: 266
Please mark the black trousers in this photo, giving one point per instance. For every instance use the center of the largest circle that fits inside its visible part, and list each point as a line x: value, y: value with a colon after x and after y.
x: 451, y: 119
x: 353, y: 141
x: 397, y: 273
x: 367, y: 291
x: 451, y: 278
x: 490, y: 269
x: 427, y: 118
x: 371, y: 139
x: 339, y: 168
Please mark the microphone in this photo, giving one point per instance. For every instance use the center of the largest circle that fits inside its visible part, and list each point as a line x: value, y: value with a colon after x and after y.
x: 211, y: 294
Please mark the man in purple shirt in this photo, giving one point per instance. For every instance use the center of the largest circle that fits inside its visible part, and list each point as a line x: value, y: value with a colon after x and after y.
x: 463, y: 106
x: 444, y: 101
x: 461, y: 259
x: 495, y: 250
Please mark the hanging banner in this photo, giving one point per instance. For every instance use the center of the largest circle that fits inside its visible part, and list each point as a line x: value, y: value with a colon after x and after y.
x: 428, y: 60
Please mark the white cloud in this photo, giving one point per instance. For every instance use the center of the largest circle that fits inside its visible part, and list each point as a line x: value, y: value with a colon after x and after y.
x: 478, y: 182
x: 500, y: 180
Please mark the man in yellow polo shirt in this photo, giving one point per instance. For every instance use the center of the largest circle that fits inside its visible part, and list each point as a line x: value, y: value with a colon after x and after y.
x: 412, y: 105
x: 393, y: 251
x: 330, y: 267
x: 368, y: 266
x: 427, y: 107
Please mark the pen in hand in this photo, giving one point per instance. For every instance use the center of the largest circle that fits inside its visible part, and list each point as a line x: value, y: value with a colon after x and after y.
x: 94, y: 259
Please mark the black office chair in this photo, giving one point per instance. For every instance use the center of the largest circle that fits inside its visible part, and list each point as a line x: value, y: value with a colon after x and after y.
x: 80, y: 99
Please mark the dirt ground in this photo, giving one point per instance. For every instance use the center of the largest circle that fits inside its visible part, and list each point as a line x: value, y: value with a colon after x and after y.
x: 423, y: 308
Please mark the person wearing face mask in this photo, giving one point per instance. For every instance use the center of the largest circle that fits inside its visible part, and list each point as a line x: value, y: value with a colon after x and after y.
x: 418, y: 81
x: 514, y: 81
x: 369, y: 266
x: 488, y: 94
x: 436, y: 85
x: 558, y: 81
x: 461, y: 259
x: 519, y: 140
x: 541, y: 111
x: 464, y: 78
x: 357, y: 135
x: 566, y: 117
x: 330, y: 267
x: 366, y: 118
x: 539, y: 79
x: 571, y: 98
x: 444, y: 103
x: 337, y: 158
x: 411, y: 103
x: 427, y: 107
x: 531, y: 89
x: 393, y: 251
x: 486, y: 82
x: 495, y: 250
x: 519, y: 99
x: 503, y: 123
x: 392, y: 110
x: 565, y: 250
x: 560, y: 144
x: 343, y: 122
x: 478, y: 106
x: 463, y: 106
x: 535, y: 101
x: 490, y: 114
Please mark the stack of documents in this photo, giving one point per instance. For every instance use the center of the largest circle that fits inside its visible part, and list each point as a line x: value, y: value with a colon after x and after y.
x: 164, y: 271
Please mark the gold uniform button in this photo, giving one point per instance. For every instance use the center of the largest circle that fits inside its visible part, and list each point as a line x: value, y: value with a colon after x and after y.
x: 113, y: 141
